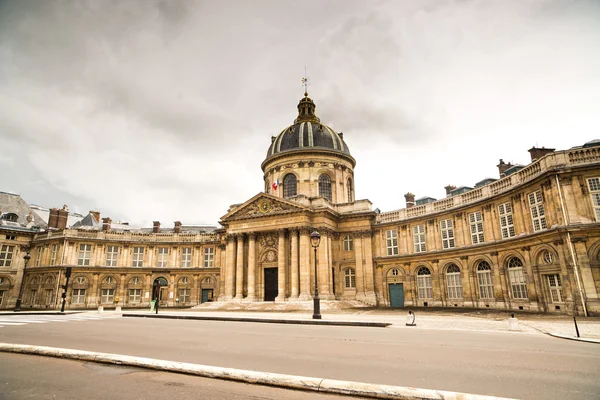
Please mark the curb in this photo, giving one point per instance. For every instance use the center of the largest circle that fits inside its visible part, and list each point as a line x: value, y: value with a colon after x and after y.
x: 579, y: 339
x: 39, y: 313
x: 312, y: 384
x: 264, y: 320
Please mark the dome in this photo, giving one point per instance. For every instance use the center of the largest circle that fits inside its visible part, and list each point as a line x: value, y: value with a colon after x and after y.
x: 307, y: 133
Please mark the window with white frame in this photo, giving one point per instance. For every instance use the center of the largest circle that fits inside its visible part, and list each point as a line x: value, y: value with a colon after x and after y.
x: 454, y: 282
x: 209, y: 257
x: 391, y: 237
x: 555, y: 288
x: 484, y: 280
x: 2, y: 296
x: 348, y: 243
x: 38, y: 256
x: 135, y: 295
x: 78, y: 296
x: 107, y: 296
x: 33, y: 297
x: 506, y: 220
x: 80, y: 280
x: 547, y: 257
x: 395, y: 272
x: 112, y: 252
x: 138, y: 256
x: 85, y: 252
x: 54, y: 254
x: 419, y: 238
x: 186, y: 257
x: 476, y: 221
x: 184, y: 295
x: 536, y: 205
x: 447, y: 230
x: 49, y: 296
x: 350, y: 192
x: 424, y: 283
x: 516, y: 278
x: 163, y: 257
x: 349, y: 278
x: 6, y: 255
x: 594, y: 188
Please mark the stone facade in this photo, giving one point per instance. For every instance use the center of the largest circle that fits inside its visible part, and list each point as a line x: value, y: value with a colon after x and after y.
x: 527, y: 241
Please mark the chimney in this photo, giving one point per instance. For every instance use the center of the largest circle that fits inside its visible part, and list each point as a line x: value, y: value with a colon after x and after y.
x: 63, y: 214
x: 177, y: 228
x: 53, y: 218
x: 156, y: 227
x: 410, y: 200
x: 502, y: 166
x: 96, y: 215
x: 106, y: 224
x: 449, y: 188
x: 537, y: 152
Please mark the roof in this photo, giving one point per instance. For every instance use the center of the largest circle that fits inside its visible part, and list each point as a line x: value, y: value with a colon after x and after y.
x: 44, y: 213
x: 16, y: 213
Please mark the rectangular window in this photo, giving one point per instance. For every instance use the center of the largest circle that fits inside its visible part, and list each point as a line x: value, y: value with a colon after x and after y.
x: 506, y: 220
x: 391, y: 237
x: 517, y: 283
x: 424, y: 285
x: 108, y: 296
x: 184, y: 295
x: 486, y: 288
x: 419, y: 238
x: 33, y: 297
x: 135, y: 295
x: 138, y: 256
x: 536, y: 204
x: 555, y: 288
x: 6, y: 254
x: 38, y: 256
x: 476, y: 221
x: 447, y: 230
x: 186, y: 257
x: 348, y: 243
x: 163, y: 257
x: 54, y: 254
x: 209, y: 256
x: 49, y: 296
x: 454, y: 285
x: 85, y: 252
x: 112, y: 252
x: 2, y: 297
x: 594, y: 186
x: 78, y: 296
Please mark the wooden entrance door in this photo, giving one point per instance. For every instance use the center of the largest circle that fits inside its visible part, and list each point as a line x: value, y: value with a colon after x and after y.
x: 271, y: 280
x: 396, y: 291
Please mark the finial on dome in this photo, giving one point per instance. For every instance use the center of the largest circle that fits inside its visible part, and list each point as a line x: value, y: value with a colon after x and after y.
x: 305, y: 82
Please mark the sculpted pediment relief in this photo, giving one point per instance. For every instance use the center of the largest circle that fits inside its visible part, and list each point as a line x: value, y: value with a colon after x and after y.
x: 263, y: 206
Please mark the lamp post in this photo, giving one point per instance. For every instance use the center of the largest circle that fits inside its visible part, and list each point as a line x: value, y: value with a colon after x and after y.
x: 315, y: 239
x: 26, y: 259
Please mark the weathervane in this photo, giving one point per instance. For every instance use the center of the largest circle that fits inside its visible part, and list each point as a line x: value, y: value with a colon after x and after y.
x: 305, y: 82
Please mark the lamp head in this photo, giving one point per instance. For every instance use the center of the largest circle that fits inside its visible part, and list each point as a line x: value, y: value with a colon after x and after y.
x: 315, y: 239
x: 26, y: 257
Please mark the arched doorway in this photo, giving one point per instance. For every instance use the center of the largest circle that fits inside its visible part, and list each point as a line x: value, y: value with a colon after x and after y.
x: 160, y: 289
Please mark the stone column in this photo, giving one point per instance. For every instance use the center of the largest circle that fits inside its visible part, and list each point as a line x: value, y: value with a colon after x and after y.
x: 251, y: 267
x: 239, y: 272
x: 195, y: 295
x: 294, y: 263
x: 121, y: 291
x: 304, y: 263
x: 323, y: 267
x: 93, y: 299
x: 281, y: 263
x: 369, y: 272
x: 230, y: 270
x: 358, y: 263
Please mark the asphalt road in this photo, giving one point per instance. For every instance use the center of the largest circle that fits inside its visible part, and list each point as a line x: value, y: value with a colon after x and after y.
x: 33, y: 377
x: 526, y: 366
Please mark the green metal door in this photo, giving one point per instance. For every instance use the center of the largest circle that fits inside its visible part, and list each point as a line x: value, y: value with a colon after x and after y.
x: 206, y: 295
x: 396, y: 294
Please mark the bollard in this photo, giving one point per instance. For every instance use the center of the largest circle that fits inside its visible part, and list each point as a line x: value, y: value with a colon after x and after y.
x: 100, y: 309
x: 410, y: 319
x: 513, y: 323
x: 152, y: 302
x: 118, y: 309
x: 576, y: 328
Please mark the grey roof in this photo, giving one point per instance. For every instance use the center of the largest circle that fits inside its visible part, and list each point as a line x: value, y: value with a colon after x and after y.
x: 44, y: 214
x: 11, y: 203
x: 89, y: 221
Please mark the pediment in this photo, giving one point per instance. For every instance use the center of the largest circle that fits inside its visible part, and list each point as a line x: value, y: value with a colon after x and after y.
x: 263, y: 205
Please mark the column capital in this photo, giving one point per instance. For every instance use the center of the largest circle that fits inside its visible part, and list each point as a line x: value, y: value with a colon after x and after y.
x: 252, y: 236
x: 281, y: 232
x: 230, y: 237
x: 304, y: 230
x: 293, y: 231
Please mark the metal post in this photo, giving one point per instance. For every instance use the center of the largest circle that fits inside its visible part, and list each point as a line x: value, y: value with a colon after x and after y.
x: 157, y: 297
x: 64, y: 293
x: 26, y: 258
x: 576, y: 328
x: 315, y: 239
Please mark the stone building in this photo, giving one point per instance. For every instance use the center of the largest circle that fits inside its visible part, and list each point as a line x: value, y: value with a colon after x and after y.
x: 529, y: 240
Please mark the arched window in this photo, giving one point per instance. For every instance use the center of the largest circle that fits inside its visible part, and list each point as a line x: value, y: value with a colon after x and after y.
x: 349, y: 278
x: 484, y: 280
x: 267, y: 187
x: 424, y: 283
x: 350, y: 192
x: 454, y: 282
x: 547, y: 257
x: 325, y: 186
x: 289, y: 186
x: 12, y: 217
x: 394, y: 272
x: 348, y: 243
x: 516, y: 277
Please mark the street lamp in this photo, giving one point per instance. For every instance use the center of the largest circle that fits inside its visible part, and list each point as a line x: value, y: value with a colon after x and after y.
x: 315, y: 239
x: 26, y: 259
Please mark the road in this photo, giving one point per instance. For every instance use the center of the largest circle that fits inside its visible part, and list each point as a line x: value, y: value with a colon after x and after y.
x: 526, y: 366
x: 33, y: 377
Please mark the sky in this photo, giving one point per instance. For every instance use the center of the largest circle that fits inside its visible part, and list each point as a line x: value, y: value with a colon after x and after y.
x: 153, y: 110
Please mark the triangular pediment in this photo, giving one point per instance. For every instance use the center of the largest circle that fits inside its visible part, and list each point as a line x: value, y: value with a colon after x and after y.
x: 263, y: 205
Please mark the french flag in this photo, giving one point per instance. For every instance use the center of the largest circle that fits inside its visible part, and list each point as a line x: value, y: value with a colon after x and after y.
x: 276, y: 184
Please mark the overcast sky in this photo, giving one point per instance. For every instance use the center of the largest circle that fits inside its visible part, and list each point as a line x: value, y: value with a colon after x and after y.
x: 164, y: 110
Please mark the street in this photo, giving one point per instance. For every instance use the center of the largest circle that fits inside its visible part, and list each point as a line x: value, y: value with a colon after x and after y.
x: 519, y: 365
